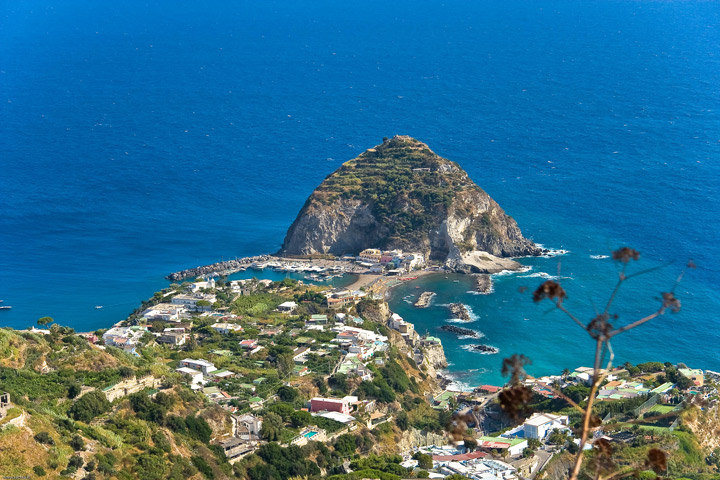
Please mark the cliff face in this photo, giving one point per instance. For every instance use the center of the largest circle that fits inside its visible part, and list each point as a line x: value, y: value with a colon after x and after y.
x: 400, y: 194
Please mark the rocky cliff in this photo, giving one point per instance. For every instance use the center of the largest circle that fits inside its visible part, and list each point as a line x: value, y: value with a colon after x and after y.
x: 400, y: 194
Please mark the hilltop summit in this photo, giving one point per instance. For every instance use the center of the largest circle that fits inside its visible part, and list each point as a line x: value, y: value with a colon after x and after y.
x: 400, y: 194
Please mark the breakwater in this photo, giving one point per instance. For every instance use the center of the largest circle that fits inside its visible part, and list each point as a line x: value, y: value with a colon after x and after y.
x: 424, y: 300
x: 226, y: 267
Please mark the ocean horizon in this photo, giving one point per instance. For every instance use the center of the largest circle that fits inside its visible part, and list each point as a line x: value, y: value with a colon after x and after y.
x: 140, y: 140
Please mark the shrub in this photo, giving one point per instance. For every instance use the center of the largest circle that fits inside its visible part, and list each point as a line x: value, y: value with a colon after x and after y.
x: 89, y: 406
x: 44, y: 437
x: 198, y: 428
x: 77, y: 443
x: 202, y: 466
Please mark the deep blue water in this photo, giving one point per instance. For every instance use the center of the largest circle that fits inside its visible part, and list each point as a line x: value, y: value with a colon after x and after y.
x: 142, y: 138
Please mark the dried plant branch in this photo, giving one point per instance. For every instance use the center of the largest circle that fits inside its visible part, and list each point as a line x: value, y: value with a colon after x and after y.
x: 636, y: 323
x: 566, y: 398
x: 586, y: 428
x: 602, y: 332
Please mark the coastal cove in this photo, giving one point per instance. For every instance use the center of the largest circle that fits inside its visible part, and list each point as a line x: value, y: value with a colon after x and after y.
x: 507, y: 318
x: 93, y: 212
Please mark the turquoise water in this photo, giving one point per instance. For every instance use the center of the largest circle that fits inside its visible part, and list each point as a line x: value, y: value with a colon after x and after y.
x: 508, y: 319
x: 141, y: 138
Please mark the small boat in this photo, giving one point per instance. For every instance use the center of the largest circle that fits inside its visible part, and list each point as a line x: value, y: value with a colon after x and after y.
x: 5, y: 307
x: 98, y: 307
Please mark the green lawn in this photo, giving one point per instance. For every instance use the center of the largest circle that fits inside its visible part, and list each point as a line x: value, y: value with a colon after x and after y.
x: 654, y: 428
x: 663, y: 409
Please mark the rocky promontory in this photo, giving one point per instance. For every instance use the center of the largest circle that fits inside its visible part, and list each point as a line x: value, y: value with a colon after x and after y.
x: 401, y: 195
x: 460, y: 311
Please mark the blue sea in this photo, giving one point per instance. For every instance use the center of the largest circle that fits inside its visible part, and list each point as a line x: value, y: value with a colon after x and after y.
x: 140, y: 138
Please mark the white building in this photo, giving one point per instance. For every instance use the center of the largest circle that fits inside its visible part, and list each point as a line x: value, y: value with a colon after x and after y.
x: 287, y: 307
x: 126, y: 338
x: 413, y: 261
x: 540, y: 424
x: 397, y: 323
x: 251, y: 422
x: 191, y: 301
x: 225, y: 328
x: 200, y: 365
x: 197, y: 286
x: 196, y: 377
x: 165, y: 312
x: 370, y: 255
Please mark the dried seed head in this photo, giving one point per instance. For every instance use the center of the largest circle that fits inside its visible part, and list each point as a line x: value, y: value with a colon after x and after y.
x: 625, y: 254
x: 599, y: 326
x: 669, y: 301
x: 515, y: 367
x: 514, y: 402
x: 551, y: 290
x: 603, y: 460
x: 657, y: 460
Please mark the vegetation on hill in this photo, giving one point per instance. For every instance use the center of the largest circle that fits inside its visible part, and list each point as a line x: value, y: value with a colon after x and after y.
x: 400, y: 194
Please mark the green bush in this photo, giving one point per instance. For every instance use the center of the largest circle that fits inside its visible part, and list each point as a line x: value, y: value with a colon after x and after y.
x: 202, y: 466
x: 89, y: 406
x: 44, y: 437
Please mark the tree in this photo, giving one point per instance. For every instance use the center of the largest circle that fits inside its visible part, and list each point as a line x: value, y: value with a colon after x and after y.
x: 73, y: 391
x: 43, y: 321
x: 345, y: 444
x: 424, y: 460
x: 198, y: 428
x: 402, y: 420
x: 77, y: 443
x: 89, y: 406
x: 534, y: 443
x: 300, y: 418
x: 285, y: 364
x: 287, y: 394
x: 271, y: 427
x: 44, y: 437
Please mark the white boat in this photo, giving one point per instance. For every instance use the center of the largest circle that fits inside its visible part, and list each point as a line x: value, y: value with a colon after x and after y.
x: 98, y: 307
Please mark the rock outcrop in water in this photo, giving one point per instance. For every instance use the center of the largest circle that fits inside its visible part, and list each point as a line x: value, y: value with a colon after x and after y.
x: 460, y: 311
x: 459, y: 330
x: 400, y: 194
x: 424, y: 300
x: 483, y: 283
x: 486, y: 349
